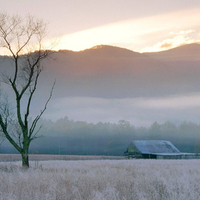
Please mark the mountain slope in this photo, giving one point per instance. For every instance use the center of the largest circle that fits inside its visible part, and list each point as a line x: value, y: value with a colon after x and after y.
x: 189, y: 52
x: 109, y: 72
x: 112, y: 72
x: 185, y: 64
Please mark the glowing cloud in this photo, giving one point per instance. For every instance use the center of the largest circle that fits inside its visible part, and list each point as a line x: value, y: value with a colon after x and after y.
x: 147, y: 34
x: 182, y: 37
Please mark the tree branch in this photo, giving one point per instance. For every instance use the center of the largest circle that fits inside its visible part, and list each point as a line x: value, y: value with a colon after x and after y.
x: 41, y: 113
x: 4, y: 129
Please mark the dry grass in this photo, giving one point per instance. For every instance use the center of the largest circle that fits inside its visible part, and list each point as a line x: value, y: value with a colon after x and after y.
x: 101, y: 180
x: 39, y: 157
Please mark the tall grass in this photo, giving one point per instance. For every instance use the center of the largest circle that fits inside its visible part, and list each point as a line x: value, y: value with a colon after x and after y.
x: 101, y: 180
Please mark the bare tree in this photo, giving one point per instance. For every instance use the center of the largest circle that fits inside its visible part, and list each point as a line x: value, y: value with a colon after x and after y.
x: 22, y: 37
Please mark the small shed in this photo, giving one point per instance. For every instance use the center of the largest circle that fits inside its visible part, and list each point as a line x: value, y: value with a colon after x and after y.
x: 154, y: 149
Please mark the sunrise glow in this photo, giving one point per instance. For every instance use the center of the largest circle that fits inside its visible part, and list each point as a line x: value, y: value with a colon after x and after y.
x: 150, y: 34
x: 147, y: 34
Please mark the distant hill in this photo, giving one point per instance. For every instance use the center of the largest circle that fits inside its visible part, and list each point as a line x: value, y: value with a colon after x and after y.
x: 113, y: 72
x: 189, y: 52
x: 184, y: 62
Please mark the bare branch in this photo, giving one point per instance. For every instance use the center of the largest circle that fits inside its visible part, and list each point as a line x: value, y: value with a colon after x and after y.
x: 41, y: 113
x: 7, y: 135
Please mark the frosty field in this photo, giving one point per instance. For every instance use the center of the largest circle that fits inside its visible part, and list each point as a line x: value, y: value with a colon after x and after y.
x: 101, y: 180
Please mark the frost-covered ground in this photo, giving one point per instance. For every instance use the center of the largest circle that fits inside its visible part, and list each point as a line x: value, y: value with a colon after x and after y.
x: 101, y: 180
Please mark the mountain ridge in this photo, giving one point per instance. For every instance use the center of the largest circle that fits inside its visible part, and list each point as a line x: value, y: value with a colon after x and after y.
x: 112, y: 72
x: 184, y: 52
x: 102, y: 46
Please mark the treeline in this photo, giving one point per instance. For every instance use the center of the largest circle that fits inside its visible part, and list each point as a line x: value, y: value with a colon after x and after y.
x: 81, y: 138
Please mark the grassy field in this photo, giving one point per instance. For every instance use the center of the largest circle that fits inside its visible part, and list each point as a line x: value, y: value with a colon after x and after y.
x: 101, y: 180
x: 38, y: 157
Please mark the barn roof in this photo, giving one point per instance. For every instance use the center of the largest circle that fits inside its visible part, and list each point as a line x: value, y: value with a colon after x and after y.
x: 155, y: 146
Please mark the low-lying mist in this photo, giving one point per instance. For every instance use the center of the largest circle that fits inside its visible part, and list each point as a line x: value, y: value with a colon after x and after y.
x: 138, y: 111
x: 69, y: 137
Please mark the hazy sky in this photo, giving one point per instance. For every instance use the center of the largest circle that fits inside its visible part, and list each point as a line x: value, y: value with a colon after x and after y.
x: 140, y: 25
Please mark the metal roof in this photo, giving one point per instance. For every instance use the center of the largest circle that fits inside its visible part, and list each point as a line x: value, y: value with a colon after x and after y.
x: 155, y: 146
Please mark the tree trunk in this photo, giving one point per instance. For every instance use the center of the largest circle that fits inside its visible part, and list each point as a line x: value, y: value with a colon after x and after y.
x: 25, y: 158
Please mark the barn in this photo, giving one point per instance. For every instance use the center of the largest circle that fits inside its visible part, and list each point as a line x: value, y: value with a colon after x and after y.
x: 156, y: 149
